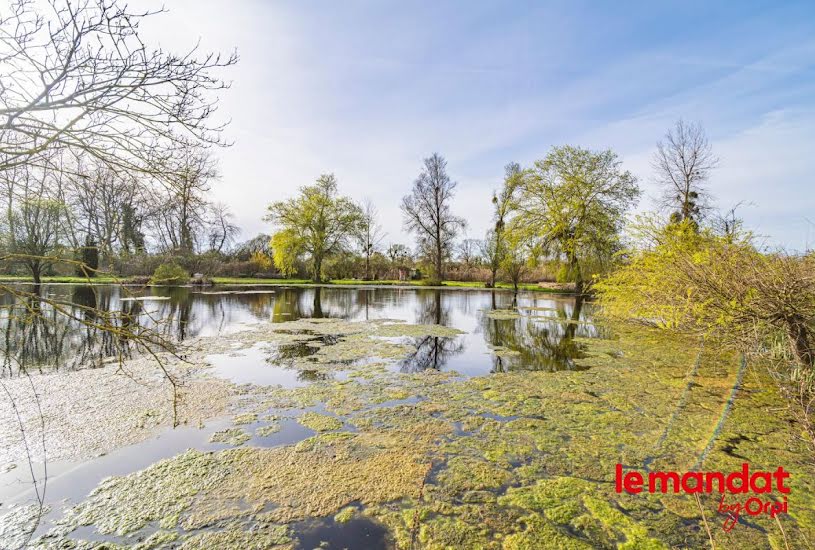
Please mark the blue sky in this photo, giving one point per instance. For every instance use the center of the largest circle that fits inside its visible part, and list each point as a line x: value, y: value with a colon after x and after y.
x: 367, y: 89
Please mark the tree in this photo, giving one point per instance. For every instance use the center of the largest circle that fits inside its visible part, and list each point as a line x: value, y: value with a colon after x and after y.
x: 683, y: 163
x: 88, y: 258
x: 99, y: 198
x: 315, y: 224
x: 515, y: 257
x: 222, y: 230
x: 400, y: 259
x: 78, y: 76
x: 178, y: 213
x: 427, y: 213
x: 572, y: 204
x: 370, y: 235
x: 35, y: 228
x: 494, y: 247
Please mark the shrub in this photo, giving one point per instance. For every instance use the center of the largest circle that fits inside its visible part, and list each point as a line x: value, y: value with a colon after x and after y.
x: 170, y: 274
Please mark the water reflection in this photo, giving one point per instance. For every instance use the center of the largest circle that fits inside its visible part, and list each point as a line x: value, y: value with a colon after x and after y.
x: 543, y: 337
x: 431, y: 352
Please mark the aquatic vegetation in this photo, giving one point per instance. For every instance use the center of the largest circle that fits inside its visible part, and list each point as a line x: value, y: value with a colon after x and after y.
x: 17, y: 524
x: 230, y: 436
x: 271, y: 428
x: 101, y: 409
x: 320, y: 422
x: 345, y: 515
x: 503, y: 314
x: 245, y: 418
x: 513, y: 460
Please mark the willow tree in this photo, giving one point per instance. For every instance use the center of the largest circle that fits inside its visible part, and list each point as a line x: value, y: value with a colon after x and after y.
x: 314, y: 225
x: 572, y: 205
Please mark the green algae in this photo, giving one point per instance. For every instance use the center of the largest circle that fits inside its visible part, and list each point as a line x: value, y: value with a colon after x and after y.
x: 345, y: 515
x: 230, y: 436
x: 514, y: 460
x: 245, y: 418
x: 320, y: 422
x: 503, y: 314
x: 268, y: 429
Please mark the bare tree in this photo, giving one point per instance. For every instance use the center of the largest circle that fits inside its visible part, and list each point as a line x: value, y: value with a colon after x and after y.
x: 427, y: 212
x: 100, y: 198
x: 683, y: 163
x: 178, y: 215
x: 77, y: 75
x: 223, y: 231
x: 371, y: 234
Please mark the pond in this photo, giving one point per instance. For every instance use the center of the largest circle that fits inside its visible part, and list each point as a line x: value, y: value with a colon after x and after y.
x: 374, y: 417
x: 544, y: 340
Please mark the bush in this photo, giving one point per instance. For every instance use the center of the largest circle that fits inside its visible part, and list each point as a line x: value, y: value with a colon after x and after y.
x: 170, y: 274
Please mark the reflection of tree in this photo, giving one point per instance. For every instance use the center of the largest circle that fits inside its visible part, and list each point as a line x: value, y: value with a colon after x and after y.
x: 431, y: 352
x: 542, y: 343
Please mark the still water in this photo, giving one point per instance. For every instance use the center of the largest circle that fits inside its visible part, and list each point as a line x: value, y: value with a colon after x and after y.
x: 543, y: 338
x: 38, y: 340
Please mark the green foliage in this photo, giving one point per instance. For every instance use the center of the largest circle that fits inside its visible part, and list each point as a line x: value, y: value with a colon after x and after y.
x: 694, y: 280
x: 170, y: 274
x: 314, y: 225
x: 572, y: 204
x: 88, y: 258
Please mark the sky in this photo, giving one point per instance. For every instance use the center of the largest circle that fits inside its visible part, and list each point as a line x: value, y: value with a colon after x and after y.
x: 367, y: 89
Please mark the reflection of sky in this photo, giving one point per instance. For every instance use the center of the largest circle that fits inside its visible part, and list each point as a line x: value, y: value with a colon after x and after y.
x: 190, y: 313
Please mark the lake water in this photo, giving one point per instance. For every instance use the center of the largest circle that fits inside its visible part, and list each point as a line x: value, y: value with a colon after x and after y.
x: 39, y: 341
x: 543, y: 340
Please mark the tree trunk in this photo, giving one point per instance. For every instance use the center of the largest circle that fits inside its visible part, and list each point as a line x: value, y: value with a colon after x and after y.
x: 318, y: 268
x: 36, y: 271
x: 574, y: 267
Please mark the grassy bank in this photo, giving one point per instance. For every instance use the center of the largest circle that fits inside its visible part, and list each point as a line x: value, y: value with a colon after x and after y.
x: 281, y: 282
x: 359, y: 282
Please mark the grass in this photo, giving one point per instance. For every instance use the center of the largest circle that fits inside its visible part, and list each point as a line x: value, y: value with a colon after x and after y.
x: 280, y: 282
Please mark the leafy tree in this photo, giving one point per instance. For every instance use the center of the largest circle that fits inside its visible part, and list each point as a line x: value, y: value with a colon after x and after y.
x: 314, y: 225
x: 683, y: 162
x: 572, y: 204
x: 515, y: 256
x: 494, y: 247
x: 427, y: 213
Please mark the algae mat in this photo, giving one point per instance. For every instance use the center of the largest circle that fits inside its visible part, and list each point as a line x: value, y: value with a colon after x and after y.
x: 512, y: 460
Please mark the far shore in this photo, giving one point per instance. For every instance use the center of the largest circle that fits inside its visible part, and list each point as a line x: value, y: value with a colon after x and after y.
x: 554, y: 288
